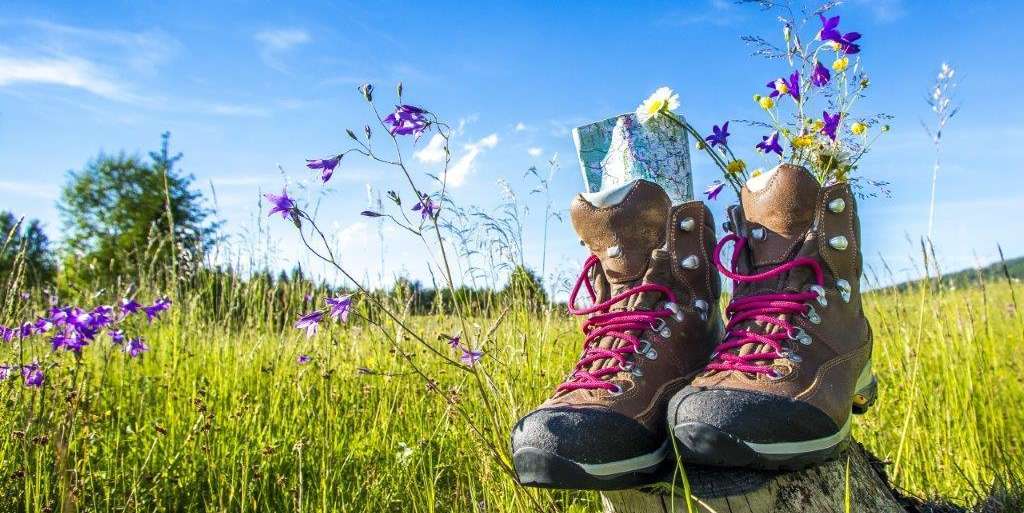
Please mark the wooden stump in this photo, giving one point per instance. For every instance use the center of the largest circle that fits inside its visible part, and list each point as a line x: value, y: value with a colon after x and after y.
x: 819, y: 489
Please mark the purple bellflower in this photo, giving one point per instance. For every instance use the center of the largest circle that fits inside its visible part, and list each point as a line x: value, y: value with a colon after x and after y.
x: 136, y: 347
x: 820, y: 76
x: 407, y: 120
x: 714, y: 189
x: 280, y: 204
x: 326, y: 166
x: 770, y: 144
x: 304, y: 358
x: 830, y: 32
x: 340, y: 307
x: 719, y: 136
x: 425, y: 207
x: 310, y: 322
x: 33, y: 375
x: 831, y: 123
x: 781, y: 86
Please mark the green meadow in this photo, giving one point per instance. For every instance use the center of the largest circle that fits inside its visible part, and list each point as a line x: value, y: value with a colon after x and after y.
x: 219, y: 415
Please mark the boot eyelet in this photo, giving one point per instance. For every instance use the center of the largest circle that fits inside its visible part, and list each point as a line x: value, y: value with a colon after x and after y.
x: 845, y: 290
x: 788, y: 354
x: 687, y: 224
x: 652, y: 354
x: 702, y: 307
x: 820, y: 291
x: 801, y: 336
x: 779, y: 372
x: 812, y: 315
x: 659, y: 325
x: 758, y: 233
x: 615, y: 391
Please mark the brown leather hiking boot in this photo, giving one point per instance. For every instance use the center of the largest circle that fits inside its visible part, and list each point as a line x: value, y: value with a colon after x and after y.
x: 651, y: 325
x: 797, y: 352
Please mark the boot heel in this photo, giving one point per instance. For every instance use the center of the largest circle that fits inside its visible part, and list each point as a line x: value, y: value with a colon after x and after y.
x: 865, y: 396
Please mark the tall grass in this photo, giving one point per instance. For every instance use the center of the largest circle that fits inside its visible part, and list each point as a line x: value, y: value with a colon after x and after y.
x: 220, y: 416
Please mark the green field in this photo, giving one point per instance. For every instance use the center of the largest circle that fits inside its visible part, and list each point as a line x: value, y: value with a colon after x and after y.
x: 220, y: 416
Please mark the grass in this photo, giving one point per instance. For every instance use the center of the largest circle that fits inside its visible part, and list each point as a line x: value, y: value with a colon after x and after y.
x: 220, y: 416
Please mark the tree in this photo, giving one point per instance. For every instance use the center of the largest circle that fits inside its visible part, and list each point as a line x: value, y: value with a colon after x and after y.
x: 25, y: 256
x: 121, y: 212
x: 524, y: 285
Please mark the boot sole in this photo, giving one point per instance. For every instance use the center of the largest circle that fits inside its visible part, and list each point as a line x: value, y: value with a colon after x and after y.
x: 544, y: 469
x: 704, y: 444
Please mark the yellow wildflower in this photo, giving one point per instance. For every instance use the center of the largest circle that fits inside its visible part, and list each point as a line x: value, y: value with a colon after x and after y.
x: 803, y: 141
x: 766, y: 102
x: 756, y: 172
x: 840, y: 64
x: 736, y: 166
x: 858, y: 128
x: 817, y: 125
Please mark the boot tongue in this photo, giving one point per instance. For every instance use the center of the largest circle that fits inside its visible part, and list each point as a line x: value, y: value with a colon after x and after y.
x: 778, y: 209
x: 622, y: 226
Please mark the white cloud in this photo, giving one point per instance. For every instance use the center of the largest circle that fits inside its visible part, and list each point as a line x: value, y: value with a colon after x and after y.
x: 433, y: 152
x: 535, y: 152
x: 520, y: 126
x: 356, y: 234
x: 277, y: 42
x: 458, y: 172
x: 64, y: 71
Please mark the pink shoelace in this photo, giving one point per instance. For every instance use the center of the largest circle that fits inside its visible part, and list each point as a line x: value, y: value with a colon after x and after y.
x: 604, y: 323
x: 769, y: 309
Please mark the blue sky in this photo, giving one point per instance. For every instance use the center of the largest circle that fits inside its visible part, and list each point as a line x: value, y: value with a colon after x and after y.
x: 246, y: 87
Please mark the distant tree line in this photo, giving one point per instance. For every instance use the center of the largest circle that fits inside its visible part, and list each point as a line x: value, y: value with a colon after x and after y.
x: 129, y: 222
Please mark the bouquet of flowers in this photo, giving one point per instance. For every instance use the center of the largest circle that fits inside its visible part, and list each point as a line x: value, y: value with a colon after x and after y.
x: 809, y: 106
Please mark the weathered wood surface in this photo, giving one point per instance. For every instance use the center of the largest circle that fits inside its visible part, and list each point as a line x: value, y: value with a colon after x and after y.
x: 820, y: 489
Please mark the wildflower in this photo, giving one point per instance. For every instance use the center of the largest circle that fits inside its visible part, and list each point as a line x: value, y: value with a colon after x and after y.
x: 26, y: 330
x: 407, y: 120
x: 326, y: 166
x: 7, y: 334
x: 831, y: 160
x: 840, y: 64
x: 455, y: 342
x: 116, y: 336
x: 43, y: 325
x: 830, y: 32
x: 817, y: 125
x: 425, y: 207
x: 159, y: 306
x: 663, y: 101
x: 304, y: 359
x: 757, y: 172
x: 830, y: 124
x: 802, y: 141
x: 136, y: 347
x: 781, y: 86
x: 5, y: 371
x: 820, y: 76
x: 766, y: 102
x: 310, y: 322
x: 736, y: 166
x: 770, y: 144
x: 280, y: 203
x: 470, y: 357
x: 25, y: 296
x: 886, y: 128
x: 858, y: 128
x: 701, y: 144
x: 129, y: 306
x: 720, y: 135
x: 33, y: 375
x: 340, y: 307
x: 713, y: 190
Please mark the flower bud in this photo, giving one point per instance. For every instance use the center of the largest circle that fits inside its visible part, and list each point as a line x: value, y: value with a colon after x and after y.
x: 367, y: 91
x: 366, y: 130
x: 399, y: 88
x: 370, y: 213
x: 701, y: 145
x: 886, y: 128
x: 787, y: 32
x: 351, y: 134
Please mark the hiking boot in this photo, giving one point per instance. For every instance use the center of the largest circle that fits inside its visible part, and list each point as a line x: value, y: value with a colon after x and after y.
x: 651, y: 325
x: 796, y: 356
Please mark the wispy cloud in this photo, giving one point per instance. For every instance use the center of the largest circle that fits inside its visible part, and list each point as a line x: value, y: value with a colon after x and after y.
x: 520, y: 126
x: 458, y: 172
x: 64, y: 71
x: 276, y: 43
x: 230, y: 109
x: 535, y: 152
